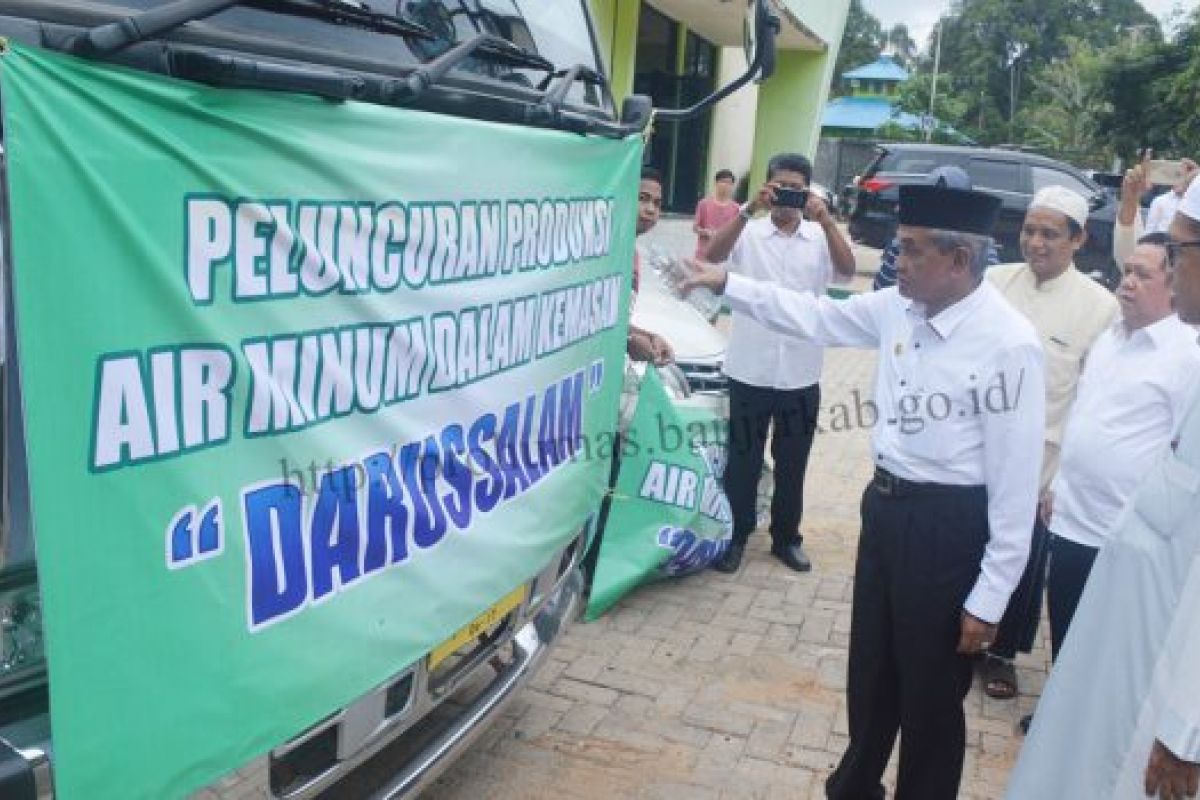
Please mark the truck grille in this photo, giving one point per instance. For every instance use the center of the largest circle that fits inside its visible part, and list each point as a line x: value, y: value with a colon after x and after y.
x: 705, y: 378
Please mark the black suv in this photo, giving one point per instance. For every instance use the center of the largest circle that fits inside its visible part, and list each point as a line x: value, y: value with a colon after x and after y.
x: 1011, y: 175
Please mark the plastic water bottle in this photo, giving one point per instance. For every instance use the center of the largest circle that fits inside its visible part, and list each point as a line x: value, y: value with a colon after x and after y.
x: 706, y: 302
x: 701, y: 298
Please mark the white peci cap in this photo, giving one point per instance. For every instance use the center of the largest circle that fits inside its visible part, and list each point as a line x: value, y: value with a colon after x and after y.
x: 1064, y: 201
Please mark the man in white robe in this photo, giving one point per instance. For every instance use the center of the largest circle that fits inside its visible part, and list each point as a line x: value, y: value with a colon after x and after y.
x: 1120, y: 717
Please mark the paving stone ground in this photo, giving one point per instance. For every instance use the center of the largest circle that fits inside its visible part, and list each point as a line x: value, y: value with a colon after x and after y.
x: 717, y: 686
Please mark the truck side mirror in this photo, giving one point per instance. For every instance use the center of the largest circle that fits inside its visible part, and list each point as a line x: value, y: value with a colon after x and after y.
x: 761, y: 28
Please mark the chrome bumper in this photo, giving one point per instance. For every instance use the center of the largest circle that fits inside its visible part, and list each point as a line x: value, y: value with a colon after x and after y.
x: 531, y: 645
x: 25, y: 773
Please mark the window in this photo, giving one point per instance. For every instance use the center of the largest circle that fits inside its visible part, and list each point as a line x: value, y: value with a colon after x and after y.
x: 700, y: 57
x: 1003, y: 176
x: 906, y: 163
x: 1044, y: 177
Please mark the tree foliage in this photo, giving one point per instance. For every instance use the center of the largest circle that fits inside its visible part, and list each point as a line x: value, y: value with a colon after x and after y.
x: 915, y: 97
x: 1001, y: 56
x: 1083, y: 80
x: 901, y: 43
x: 862, y: 42
x: 1066, y: 103
x: 1152, y: 96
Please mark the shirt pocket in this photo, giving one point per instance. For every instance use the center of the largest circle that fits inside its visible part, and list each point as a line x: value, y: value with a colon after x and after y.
x: 1063, y: 362
x: 1166, y: 499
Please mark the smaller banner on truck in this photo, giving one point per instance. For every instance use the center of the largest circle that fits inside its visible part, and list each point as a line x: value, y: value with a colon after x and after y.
x: 669, y: 514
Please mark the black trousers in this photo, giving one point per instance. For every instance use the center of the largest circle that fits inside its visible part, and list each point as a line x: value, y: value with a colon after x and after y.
x: 1018, y: 628
x: 1070, y: 565
x: 791, y: 416
x: 918, y: 558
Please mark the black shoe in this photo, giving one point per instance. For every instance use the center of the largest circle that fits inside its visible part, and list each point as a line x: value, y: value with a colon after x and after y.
x: 731, y: 560
x: 1024, y: 724
x: 792, y: 555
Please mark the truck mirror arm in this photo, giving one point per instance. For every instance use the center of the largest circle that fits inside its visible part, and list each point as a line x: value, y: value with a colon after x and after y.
x: 550, y: 108
x: 761, y: 66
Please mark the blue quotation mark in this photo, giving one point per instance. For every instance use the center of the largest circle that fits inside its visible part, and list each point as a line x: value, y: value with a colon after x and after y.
x: 193, y: 537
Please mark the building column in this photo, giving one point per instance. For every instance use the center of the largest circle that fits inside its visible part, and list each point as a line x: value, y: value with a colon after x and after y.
x: 790, y: 106
x: 731, y: 145
x: 617, y: 33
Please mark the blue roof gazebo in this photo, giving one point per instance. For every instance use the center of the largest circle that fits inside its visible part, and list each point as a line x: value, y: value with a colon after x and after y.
x: 884, y: 69
x: 872, y: 104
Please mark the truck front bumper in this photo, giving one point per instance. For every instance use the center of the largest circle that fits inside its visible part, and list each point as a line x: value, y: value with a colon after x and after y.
x: 530, y: 646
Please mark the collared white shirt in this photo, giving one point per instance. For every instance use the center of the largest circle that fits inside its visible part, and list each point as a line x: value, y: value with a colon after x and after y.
x: 1162, y: 211
x: 1069, y: 313
x: 1132, y: 396
x: 757, y: 355
x: 960, y: 400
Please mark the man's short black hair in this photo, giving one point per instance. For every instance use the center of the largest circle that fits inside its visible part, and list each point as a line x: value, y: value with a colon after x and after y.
x: 791, y: 162
x: 725, y: 174
x: 1074, y: 228
x: 1159, y: 239
x: 651, y: 174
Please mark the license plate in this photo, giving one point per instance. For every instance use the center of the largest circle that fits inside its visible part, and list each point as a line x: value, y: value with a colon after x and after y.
x: 476, y: 627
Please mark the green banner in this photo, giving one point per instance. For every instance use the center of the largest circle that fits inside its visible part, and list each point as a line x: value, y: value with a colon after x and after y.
x: 307, y: 387
x: 669, y: 514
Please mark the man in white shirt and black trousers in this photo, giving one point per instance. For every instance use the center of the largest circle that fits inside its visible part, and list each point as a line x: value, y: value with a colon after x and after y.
x: 773, y: 378
x: 946, y: 520
x: 1140, y: 378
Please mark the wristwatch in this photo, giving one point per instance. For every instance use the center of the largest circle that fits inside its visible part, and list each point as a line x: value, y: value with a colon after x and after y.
x: 745, y: 213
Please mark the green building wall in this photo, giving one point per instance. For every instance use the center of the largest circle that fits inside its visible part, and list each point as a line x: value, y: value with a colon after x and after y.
x: 617, y: 31
x: 791, y: 102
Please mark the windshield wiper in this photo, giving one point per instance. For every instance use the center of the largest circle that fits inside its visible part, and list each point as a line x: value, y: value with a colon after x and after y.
x: 109, y: 38
x: 114, y: 36
x: 485, y: 45
x: 505, y: 52
x: 346, y: 12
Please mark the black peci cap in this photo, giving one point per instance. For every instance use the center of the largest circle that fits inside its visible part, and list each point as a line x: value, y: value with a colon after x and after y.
x: 948, y: 209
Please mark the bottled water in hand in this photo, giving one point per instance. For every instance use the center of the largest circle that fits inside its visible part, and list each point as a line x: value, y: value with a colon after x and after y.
x: 701, y: 298
x: 673, y: 270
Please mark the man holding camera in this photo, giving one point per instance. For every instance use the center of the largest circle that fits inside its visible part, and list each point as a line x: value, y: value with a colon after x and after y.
x: 773, y: 377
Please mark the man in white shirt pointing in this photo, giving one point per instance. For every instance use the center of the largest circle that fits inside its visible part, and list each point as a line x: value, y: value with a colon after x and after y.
x: 946, y: 520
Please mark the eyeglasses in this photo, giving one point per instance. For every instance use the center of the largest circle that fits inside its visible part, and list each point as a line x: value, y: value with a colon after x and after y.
x: 1174, y: 249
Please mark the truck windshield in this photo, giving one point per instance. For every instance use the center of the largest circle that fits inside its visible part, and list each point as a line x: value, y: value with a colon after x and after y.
x: 553, y: 29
